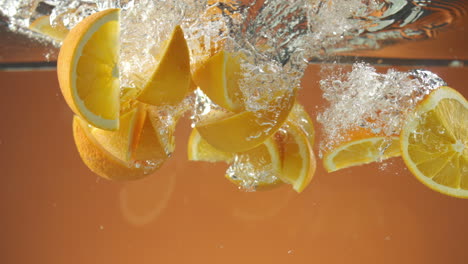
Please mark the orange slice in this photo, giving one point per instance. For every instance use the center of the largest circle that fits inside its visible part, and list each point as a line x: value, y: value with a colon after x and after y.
x: 434, y: 142
x: 171, y: 79
x: 200, y: 150
x: 87, y: 69
x: 246, y: 130
x: 42, y: 25
x: 287, y: 156
x: 132, y: 152
x: 219, y: 79
x: 252, y: 170
x: 361, y: 147
x: 298, y: 159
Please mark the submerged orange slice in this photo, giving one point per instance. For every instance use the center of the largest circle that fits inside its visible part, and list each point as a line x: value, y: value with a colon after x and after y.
x: 171, y: 79
x: 361, y: 146
x: 132, y: 152
x: 87, y: 69
x: 434, y: 142
x: 287, y: 156
x: 298, y: 159
x: 246, y: 130
x: 219, y: 79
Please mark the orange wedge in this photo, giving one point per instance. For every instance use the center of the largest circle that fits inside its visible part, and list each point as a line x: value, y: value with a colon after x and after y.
x: 246, y: 130
x: 298, y: 159
x: 252, y: 170
x: 361, y: 147
x: 287, y: 156
x: 434, y: 142
x: 120, y: 143
x: 171, y: 79
x: 200, y: 150
x: 42, y: 26
x: 87, y: 69
x: 132, y: 152
x: 219, y: 79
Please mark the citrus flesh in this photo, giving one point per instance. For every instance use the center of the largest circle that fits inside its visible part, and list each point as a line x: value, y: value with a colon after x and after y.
x: 360, y: 146
x: 287, y: 156
x: 87, y: 69
x: 97, y: 159
x: 155, y: 142
x: 434, y: 142
x: 171, y: 80
x: 127, y: 99
x: 200, y: 150
x: 219, y: 77
x: 252, y: 170
x: 42, y: 25
x: 361, y: 151
x: 298, y: 159
x: 246, y: 130
x: 120, y: 143
x: 132, y: 152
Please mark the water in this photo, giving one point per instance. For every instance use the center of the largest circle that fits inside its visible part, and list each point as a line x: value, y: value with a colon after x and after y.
x: 277, y: 37
x: 359, y: 24
x: 188, y: 212
x: 376, y: 24
x: 274, y: 40
x: 270, y: 31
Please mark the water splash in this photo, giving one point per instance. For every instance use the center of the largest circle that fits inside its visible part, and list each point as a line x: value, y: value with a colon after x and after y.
x: 282, y: 30
x: 264, y: 36
x: 398, y: 20
x: 334, y: 23
x: 379, y: 101
x: 145, y: 26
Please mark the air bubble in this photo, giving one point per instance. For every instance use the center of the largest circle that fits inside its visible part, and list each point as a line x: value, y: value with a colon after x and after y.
x: 364, y: 98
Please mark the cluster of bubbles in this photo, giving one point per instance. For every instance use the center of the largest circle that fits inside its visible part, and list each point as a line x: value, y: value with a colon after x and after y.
x: 365, y: 98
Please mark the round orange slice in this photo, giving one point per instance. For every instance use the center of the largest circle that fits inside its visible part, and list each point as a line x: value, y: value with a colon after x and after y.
x: 434, y: 142
x: 87, y: 69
